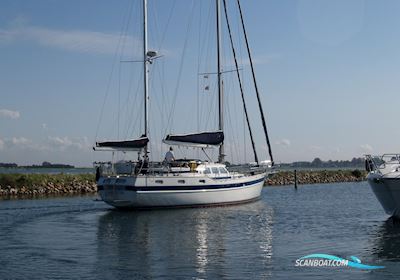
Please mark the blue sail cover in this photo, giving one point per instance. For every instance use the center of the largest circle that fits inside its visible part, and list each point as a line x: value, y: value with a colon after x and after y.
x: 134, y: 145
x: 200, y: 140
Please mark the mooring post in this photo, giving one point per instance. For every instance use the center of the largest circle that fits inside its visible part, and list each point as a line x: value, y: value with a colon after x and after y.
x: 295, y: 179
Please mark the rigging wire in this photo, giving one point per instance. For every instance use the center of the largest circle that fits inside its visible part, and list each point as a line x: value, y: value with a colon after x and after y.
x: 119, y: 99
x: 167, y: 25
x: 157, y: 103
x: 170, y: 116
x: 243, y: 117
x: 111, y: 73
x: 121, y: 54
x: 230, y: 126
x: 159, y: 69
x: 131, y: 125
x: 128, y: 103
x: 161, y: 72
x: 198, y: 71
x: 128, y: 106
x: 212, y: 107
x: 163, y: 100
x: 205, y: 54
x: 240, y: 82
x: 198, y: 75
x: 255, y: 85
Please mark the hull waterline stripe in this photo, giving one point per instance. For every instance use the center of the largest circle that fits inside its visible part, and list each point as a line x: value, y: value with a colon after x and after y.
x: 183, y: 188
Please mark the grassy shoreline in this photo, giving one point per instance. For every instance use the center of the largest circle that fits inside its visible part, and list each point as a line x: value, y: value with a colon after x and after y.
x: 46, y: 184
x: 32, y: 185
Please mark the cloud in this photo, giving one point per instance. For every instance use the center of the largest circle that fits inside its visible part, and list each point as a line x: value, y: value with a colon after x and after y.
x: 16, y: 142
x: 9, y: 114
x: 70, y: 40
x: 50, y: 144
x: 283, y: 142
x: 64, y: 143
x: 366, y: 148
x: 44, y: 126
x: 19, y: 142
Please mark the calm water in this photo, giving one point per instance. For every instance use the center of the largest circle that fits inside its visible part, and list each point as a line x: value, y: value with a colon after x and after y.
x: 83, y: 239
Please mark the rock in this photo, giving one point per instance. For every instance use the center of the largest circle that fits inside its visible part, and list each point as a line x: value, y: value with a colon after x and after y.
x: 315, y: 177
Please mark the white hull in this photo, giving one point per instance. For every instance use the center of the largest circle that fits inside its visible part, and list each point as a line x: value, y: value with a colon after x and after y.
x: 387, y: 190
x: 148, y: 191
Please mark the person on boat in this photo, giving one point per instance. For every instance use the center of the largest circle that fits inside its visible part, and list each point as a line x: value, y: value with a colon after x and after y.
x: 98, y: 173
x: 169, y: 156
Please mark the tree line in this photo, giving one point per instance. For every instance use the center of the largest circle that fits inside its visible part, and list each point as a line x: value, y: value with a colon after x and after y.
x: 318, y: 163
x: 45, y: 164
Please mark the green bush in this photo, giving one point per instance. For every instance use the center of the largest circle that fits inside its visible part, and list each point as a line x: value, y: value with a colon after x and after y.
x: 7, y: 180
x: 356, y: 173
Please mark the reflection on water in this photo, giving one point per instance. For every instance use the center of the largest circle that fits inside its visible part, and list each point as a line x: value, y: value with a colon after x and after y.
x: 384, y: 249
x: 202, y: 249
x: 200, y: 243
x: 387, y: 241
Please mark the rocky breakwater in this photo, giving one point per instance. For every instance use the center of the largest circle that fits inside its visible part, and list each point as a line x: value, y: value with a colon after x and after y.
x: 31, y: 185
x: 315, y: 177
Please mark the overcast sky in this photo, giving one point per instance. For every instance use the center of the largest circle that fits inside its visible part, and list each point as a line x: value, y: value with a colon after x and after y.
x: 328, y: 71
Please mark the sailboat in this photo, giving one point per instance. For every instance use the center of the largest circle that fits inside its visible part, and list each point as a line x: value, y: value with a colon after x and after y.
x: 144, y: 184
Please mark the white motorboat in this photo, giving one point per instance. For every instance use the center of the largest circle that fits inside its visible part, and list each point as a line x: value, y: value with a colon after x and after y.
x: 145, y: 184
x: 384, y: 179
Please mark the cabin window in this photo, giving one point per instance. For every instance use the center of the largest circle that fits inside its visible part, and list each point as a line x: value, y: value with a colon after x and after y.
x: 159, y: 181
x: 202, y: 181
x: 223, y: 170
x: 120, y: 181
x: 215, y: 170
x: 207, y: 171
x: 181, y: 181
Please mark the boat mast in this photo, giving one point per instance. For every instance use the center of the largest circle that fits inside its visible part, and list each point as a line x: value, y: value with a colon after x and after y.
x: 145, y: 77
x: 221, y: 157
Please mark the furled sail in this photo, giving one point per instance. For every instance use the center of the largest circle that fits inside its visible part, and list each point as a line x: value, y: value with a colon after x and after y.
x: 200, y: 140
x: 131, y: 145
